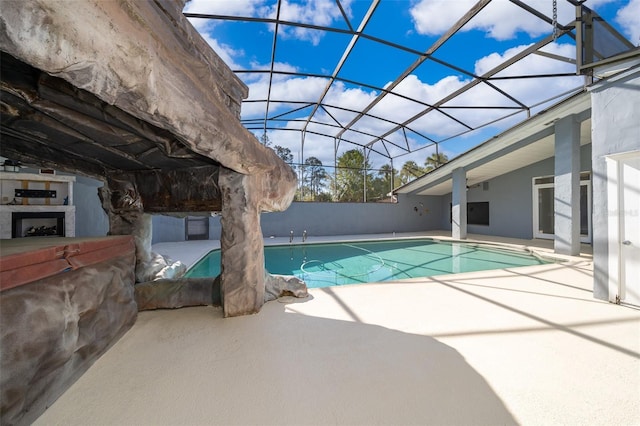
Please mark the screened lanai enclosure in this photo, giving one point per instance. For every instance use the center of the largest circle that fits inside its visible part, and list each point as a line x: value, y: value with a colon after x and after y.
x: 234, y: 109
x: 361, y: 97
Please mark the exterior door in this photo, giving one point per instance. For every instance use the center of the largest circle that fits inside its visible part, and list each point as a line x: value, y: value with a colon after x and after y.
x: 630, y: 230
x: 543, y: 218
x: 543, y: 208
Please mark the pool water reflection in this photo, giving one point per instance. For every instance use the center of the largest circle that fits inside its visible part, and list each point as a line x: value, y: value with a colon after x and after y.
x: 324, y: 265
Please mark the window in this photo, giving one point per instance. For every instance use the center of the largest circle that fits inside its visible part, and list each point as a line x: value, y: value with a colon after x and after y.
x: 477, y: 213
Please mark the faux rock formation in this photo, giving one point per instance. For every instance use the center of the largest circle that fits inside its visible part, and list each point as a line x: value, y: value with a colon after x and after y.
x: 53, y: 329
x: 159, y: 267
x: 177, y: 293
x: 183, y: 292
x: 123, y: 204
x: 129, y: 93
x: 243, y: 198
x: 277, y: 286
x: 134, y: 96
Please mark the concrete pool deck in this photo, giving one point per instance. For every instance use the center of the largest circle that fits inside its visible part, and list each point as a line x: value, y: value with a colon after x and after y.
x: 526, y: 346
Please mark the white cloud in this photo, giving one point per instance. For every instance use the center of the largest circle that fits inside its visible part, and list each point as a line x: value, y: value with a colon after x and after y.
x: 500, y: 19
x: 398, y: 109
x: 629, y: 19
x: 413, y: 87
x: 294, y: 89
x: 224, y: 7
x: 528, y: 91
x: 531, y: 64
x: 533, y: 90
x: 315, y: 146
x: 205, y: 26
x: 220, y: 7
x: 350, y: 98
x: 314, y: 12
x: 224, y: 51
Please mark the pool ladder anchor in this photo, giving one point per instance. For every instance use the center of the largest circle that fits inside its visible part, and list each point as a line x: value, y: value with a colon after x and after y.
x: 291, y: 237
x: 304, y: 235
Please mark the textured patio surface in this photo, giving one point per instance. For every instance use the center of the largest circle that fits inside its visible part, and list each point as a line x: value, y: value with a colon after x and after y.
x: 519, y: 346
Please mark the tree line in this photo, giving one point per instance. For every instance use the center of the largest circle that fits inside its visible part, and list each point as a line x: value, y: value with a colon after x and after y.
x: 354, y: 179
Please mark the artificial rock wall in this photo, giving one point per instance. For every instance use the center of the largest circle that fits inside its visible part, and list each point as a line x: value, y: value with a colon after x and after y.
x: 54, y: 328
x: 243, y: 197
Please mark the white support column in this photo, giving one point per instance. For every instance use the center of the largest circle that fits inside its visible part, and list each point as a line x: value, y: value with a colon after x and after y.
x: 459, y: 204
x: 567, y: 186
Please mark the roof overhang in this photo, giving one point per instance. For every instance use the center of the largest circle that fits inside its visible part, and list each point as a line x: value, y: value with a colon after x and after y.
x: 524, y: 144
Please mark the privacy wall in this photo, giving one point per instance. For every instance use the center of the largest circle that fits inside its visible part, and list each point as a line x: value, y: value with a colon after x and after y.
x: 409, y: 214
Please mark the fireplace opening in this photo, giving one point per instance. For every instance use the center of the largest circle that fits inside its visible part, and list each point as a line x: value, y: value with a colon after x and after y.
x: 40, y: 224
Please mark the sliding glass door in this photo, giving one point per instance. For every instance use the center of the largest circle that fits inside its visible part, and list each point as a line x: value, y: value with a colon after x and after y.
x: 543, y: 210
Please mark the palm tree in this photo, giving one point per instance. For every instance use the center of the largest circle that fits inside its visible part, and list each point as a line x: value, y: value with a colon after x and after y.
x: 410, y: 170
x: 434, y: 161
x: 381, y: 185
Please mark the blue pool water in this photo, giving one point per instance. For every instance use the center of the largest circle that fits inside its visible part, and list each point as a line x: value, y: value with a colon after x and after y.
x: 324, y: 265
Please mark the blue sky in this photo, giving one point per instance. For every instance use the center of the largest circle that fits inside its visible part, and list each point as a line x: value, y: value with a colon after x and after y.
x: 498, y: 32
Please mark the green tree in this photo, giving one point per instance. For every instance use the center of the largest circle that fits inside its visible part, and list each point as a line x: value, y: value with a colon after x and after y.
x: 410, y: 170
x: 387, y: 174
x: 324, y: 197
x: 350, y: 175
x: 381, y: 184
x: 434, y: 161
x: 314, y: 177
x: 264, y: 139
x: 284, y: 153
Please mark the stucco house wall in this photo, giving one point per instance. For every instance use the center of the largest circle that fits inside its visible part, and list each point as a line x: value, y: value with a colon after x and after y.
x: 510, y: 198
x: 616, y: 113
x: 91, y: 219
x: 166, y: 229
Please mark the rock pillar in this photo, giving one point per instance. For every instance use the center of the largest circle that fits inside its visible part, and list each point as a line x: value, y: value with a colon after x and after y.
x: 123, y: 205
x: 242, y: 278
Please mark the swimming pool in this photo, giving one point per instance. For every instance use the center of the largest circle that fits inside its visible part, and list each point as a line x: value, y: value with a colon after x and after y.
x: 324, y: 265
